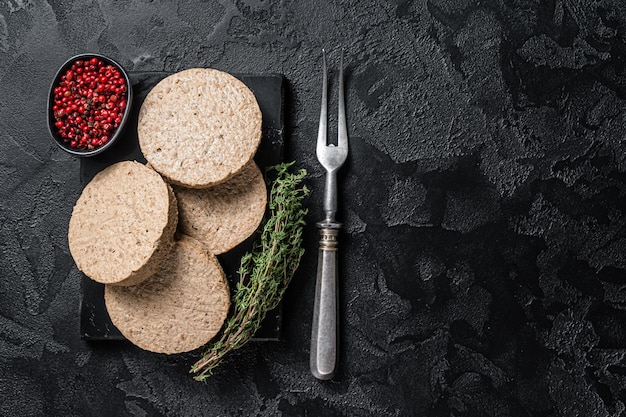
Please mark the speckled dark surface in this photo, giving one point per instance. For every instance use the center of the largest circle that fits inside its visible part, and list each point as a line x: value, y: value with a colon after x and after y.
x: 484, y: 250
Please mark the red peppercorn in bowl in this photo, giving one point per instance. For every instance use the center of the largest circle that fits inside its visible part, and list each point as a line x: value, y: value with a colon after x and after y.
x: 89, y: 104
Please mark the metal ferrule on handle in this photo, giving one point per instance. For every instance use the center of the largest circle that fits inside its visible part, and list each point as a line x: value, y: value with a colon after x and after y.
x: 325, y: 332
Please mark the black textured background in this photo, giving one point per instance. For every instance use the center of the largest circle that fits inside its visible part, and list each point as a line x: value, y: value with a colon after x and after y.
x: 484, y: 250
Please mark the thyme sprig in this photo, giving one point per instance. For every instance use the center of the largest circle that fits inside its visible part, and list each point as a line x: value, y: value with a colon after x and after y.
x: 265, y: 271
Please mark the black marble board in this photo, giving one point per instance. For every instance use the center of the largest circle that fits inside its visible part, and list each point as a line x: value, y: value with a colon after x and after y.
x: 95, y: 323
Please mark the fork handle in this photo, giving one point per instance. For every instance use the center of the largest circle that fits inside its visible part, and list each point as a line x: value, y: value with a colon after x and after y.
x: 325, y: 331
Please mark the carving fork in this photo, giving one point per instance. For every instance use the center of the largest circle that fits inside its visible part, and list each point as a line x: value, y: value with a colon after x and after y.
x: 325, y: 329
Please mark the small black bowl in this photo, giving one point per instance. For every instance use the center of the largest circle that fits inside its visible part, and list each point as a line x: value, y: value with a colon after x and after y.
x: 117, y: 134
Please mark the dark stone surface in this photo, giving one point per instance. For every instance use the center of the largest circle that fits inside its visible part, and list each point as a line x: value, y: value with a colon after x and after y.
x: 483, y: 259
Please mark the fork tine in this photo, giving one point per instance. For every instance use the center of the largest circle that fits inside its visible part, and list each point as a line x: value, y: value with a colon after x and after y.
x: 323, y: 127
x: 342, y: 129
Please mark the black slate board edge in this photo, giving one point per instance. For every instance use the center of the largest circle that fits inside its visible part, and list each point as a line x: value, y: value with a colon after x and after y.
x: 95, y: 324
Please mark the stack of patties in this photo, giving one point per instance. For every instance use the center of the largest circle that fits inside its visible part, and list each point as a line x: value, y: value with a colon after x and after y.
x: 166, y: 292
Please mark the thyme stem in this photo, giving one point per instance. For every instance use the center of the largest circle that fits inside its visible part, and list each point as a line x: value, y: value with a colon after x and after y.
x: 265, y: 271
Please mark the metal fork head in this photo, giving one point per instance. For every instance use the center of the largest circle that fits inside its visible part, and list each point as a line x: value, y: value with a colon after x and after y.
x: 332, y: 156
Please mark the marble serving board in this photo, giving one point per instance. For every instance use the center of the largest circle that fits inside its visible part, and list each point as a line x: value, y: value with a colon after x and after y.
x: 95, y: 323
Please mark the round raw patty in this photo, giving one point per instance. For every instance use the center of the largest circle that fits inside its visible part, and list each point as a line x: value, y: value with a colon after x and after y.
x: 177, y: 310
x: 199, y: 126
x: 226, y: 214
x: 122, y: 226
